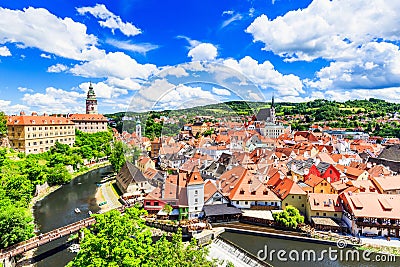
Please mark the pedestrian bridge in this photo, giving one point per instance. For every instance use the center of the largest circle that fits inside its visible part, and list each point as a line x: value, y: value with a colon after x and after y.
x: 7, y: 255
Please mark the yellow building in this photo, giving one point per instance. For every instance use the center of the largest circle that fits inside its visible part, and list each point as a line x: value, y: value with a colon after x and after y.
x: 36, y: 134
x: 291, y: 194
x: 323, y: 205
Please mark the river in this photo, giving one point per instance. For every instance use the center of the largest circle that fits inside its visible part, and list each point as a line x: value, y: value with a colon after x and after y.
x: 254, y: 244
x: 57, y: 210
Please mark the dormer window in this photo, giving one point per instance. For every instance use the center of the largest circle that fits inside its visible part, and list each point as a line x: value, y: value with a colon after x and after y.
x: 241, y: 192
x: 265, y: 192
x: 253, y: 192
x: 249, y: 181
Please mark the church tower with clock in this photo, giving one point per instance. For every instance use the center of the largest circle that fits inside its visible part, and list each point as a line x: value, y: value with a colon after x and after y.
x: 91, y: 101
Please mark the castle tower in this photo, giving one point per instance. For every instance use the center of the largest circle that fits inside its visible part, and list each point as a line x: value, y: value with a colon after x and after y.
x: 91, y: 101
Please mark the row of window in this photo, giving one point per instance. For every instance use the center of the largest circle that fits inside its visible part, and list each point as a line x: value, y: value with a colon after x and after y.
x: 50, y: 134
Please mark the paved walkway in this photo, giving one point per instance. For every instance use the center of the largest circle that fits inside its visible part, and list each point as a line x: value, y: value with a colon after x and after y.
x: 109, y: 196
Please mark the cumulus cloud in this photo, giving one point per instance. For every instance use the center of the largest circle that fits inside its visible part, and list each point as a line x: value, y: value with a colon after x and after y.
x: 55, y: 100
x: 266, y: 76
x: 37, y: 27
x: 57, y: 68
x: 221, y: 91
x: 4, y: 51
x: 375, y: 65
x: 142, y: 48
x: 9, y: 109
x: 118, y: 65
x: 203, y: 51
x: 104, y: 90
x: 327, y: 29
x: 107, y: 19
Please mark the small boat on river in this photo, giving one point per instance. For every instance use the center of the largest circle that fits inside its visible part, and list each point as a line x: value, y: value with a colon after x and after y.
x: 77, y: 210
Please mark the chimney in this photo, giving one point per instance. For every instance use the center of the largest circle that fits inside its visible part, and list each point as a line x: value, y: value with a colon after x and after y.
x: 22, y: 113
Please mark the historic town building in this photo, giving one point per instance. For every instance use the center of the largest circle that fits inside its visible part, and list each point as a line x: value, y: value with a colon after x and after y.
x: 91, y: 122
x: 36, y: 134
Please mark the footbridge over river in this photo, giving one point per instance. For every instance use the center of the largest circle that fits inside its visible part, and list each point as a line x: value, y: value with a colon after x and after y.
x: 7, y: 255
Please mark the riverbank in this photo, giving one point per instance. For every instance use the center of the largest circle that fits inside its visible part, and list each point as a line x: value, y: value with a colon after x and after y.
x: 52, y: 189
x: 25, y: 260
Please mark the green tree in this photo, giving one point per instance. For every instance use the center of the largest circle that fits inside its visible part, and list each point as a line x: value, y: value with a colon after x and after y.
x: 117, y: 240
x: 15, y: 224
x: 3, y: 124
x: 58, y: 175
x: 290, y: 217
x: 117, y: 158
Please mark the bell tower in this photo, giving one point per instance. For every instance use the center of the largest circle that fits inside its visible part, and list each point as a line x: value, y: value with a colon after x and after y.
x: 91, y: 101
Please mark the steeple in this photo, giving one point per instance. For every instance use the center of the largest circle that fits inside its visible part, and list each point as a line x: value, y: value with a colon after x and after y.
x: 91, y: 101
x: 273, y: 101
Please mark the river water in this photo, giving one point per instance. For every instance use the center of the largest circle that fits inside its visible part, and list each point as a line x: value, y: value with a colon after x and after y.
x: 57, y: 210
x: 341, y: 258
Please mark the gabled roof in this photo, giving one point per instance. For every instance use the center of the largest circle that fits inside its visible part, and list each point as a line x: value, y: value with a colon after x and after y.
x: 129, y: 174
x: 313, y: 180
x: 194, y: 179
x: 87, y: 117
x: 391, y: 153
x: 38, y: 120
x: 324, y: 202
x: 287, y: 186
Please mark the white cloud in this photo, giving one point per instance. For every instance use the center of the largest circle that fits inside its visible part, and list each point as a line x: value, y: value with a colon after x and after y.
x: 126, y: 83
x: 9, y: 109
x: 232, y: 19
x: 375, y: 65
x: 118, y: 65
x: 24, y: 89
x: 104, y: 90
x: 37, y: 27
x: 109, y: 19
x: 4, y: 51
x: 43, y: 55
x: 266, y: 76
x: 327, y: 29
x: 221, y: 91
x: 142, y: 48
x: 390, y: 94
x: 55, y: 101
x: 177, y: 71
x: 203, y: 51
x: 57, y: 68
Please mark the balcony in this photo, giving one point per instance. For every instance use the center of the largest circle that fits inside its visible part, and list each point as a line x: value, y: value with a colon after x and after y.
x: 390, y: 224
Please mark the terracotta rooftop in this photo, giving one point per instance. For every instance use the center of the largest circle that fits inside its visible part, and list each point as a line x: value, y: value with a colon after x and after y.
x: 373, y: 205
x: 324, y: 202
x: 88, y: 117
x: 38, y: 120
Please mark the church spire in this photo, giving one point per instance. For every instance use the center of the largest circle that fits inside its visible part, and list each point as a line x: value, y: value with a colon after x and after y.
x: 273, y: 101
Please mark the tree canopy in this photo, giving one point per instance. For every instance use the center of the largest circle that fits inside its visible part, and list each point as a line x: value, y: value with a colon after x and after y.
x: 290, y: 217
x: 117, y: 158
x: 117, y: 240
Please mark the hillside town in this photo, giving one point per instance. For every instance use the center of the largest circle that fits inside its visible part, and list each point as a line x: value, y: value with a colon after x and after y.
x: 340, y: 181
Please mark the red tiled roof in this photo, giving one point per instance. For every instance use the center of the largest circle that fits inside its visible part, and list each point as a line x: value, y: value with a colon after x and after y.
x: 87, y: 117
x: 38, y: 120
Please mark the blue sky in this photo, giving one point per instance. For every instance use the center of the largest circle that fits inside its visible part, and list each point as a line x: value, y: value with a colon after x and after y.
x: 142, y: 55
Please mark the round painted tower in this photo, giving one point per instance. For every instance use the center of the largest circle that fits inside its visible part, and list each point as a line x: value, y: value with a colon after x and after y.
x: 91, y: 101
